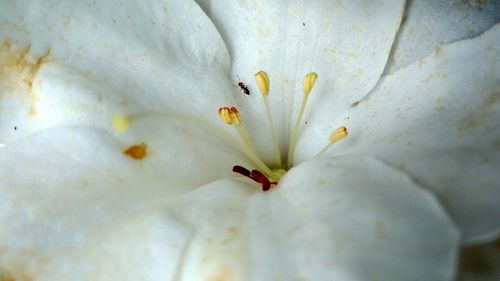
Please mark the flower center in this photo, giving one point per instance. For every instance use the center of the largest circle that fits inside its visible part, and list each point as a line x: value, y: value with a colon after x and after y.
x: 266, y: 176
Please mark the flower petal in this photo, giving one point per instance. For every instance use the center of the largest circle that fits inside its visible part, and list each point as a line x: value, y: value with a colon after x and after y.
x: 347, y: 43
x: 140, y: 247
x: 78, y: 62
x: 437, y: 120
x: 429, y: 24
x: 218, y: 248
x: 60, y: 185
x: 350, y: 218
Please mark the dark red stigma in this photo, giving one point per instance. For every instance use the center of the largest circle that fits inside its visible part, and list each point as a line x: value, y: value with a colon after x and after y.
x: 255, y: 175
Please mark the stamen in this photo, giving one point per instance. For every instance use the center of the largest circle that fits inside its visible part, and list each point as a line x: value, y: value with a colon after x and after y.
x: 309, y: 82
x: 263, y: 83
x: 231, y: 116
x: 335, y: 136
x: 338, y: 134
x: 120, y: 122
x: 235, y: 115
x: 203, y: 123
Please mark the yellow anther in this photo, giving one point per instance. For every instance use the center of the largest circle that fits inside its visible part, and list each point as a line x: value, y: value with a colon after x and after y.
x: 224, y: 115
x: 235, y: 115
x: 338, y: 134
x: 230, y: 115
x: 120, y: 122
x: 335, y: 136
x: 309, y: 81
x: 262, y: 82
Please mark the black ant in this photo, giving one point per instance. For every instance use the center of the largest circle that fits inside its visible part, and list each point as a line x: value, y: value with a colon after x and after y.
x: 243, y: 87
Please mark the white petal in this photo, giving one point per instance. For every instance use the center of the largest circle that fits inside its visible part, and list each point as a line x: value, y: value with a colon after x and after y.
x: 437, y: 120
x: 347, y: 43
x: 218, y: 249
x: 429, y: 24
x: 139, y: 247
x: 103, y: 57
x: 336, y: 219
x: 60, y: 185
x: 352, y: 218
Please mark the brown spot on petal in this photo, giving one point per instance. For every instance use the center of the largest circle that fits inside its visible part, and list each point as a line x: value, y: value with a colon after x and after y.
x: 438, y: 52
x: 468, y: 123
x: 222, y: 273
x: 6, y: 277
x: 9, y: 276
x: 232, y: 230
x: 492, y: 98
x: 18, y: 69
x: 136, y: 151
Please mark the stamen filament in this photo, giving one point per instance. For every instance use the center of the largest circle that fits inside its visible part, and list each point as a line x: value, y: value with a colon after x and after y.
x: 276, y: 145
x: 245, y: 138
x: 309, y: 81
x: 296, y: 131
x: 256, y: 161
x: 262, y: 80
x: 322, y: 151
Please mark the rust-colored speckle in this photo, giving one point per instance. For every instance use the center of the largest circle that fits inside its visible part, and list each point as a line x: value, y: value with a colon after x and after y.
x: 232, y: 230
x: 468, y: 123
x: 492, y: 98
x: 13, y: 57
x: 18, y: 69
x: 440, y: 108
x: 9, y: 276
x: 422, y: 63
x: 438, y: 53
x: 223, y: 273
x: 6, y: 277
x: 137, y: 151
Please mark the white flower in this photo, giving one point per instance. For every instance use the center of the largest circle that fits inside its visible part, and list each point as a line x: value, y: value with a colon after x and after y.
x: 75, y: 207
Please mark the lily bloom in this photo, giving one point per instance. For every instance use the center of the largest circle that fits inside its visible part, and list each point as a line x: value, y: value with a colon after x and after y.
x: 228, y: 140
